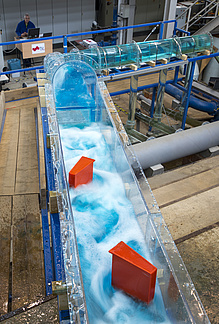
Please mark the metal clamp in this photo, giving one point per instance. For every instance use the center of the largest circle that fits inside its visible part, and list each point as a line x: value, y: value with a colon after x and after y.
x: 194, y: 43
x: 140, y: 52
x: 104, y: 52
x: 120, y: 55
x: 177, y: 43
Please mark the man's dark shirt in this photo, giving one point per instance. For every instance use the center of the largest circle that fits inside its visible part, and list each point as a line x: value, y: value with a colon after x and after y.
x: 21, y: 27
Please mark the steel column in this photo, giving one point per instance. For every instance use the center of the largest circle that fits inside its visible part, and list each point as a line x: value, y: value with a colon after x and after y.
x: 188, y: 88
x: 132, y: 101
x: 160, y: 95
x: 152, y: 106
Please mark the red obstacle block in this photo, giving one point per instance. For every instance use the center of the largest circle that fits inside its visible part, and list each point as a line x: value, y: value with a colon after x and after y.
x: 82, y: 172
x: 132, y: 273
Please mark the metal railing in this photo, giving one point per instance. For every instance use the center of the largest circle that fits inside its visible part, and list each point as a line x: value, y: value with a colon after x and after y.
x: 212, y: 5
x: 65, y: 39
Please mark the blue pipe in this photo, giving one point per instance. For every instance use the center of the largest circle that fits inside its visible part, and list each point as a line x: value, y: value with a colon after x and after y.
x: 198, y: 104
x: 65, y: 44
x: 161, y: 31
x: 89, y: 32
x: 183, y: 31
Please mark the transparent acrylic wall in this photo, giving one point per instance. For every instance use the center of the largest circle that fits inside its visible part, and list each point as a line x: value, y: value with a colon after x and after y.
x: 74, y: 282
x: 100, y: 58
x: 179, y: 295
x: 136, y: 53
x: 196, y: 43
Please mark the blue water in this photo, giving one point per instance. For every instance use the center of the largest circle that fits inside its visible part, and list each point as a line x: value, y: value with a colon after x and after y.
x: 103, y: 217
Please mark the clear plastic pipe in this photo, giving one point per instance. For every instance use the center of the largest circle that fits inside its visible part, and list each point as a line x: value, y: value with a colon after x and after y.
x: 134, y: 53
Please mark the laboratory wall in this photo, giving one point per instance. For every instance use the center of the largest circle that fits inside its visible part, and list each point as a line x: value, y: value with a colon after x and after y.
x: 148, y: 11
x: 58, y: 17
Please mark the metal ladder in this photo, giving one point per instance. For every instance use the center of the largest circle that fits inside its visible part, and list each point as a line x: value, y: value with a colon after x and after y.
x: 212, y: 6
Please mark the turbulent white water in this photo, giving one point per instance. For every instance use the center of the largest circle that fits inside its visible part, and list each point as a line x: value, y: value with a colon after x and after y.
x: 103, y: 217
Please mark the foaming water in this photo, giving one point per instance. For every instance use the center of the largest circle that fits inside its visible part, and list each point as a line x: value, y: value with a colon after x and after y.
x: 103, y: 217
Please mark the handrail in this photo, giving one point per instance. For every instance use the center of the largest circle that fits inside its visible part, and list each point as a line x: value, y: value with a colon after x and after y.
x: 64, y: 37
x: 188, y: 8
x: 92, y: 32
x: 211, y: 6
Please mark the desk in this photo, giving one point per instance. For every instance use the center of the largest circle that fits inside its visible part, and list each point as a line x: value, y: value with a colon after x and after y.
x: 35, y: 49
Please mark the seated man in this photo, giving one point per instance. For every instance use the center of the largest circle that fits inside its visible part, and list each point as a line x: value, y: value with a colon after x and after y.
x: 24, y: 25
x: 22, y: 31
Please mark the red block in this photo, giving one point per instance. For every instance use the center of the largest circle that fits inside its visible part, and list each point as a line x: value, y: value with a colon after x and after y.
x: 82, y: 172
x: 132, y: 273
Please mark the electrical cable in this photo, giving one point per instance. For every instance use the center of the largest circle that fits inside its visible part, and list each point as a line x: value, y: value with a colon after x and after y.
x: 9, y: 51
x: 73, y: 45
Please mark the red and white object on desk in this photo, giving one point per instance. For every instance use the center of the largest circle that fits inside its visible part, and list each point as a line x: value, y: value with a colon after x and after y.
x: 88, y: 43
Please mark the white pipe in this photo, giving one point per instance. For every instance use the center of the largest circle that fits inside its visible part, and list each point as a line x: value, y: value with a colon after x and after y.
x: 177, y: 145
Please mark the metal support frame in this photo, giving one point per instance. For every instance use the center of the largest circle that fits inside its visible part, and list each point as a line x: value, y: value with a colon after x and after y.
x: 160, y: 95
x: 2, y: 123
x: 188, y: 87
x: 45, y: 229
x: 55, y: 272
x: 132, y: 101
x: 152, y: 105
x: 146, y: 70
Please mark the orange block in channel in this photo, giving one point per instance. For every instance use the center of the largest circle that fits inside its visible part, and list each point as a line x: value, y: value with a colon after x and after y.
x: 132, y: 273
x: 82, y: 172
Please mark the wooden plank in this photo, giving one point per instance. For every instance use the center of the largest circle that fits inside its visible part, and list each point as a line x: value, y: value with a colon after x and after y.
x: 105, y: 72
x: 204, y: 63
x: 27, y: 179
x: 43, y: 101
x: 163, y: 61
x: 41, y: 91
x: 36, y: 280
x: 133, y: 67
x: 41, y: 75
x: 5, y: 239
x: 184, y: 57
x: 185, y: 188
x: 24, y: 103
x: 41, y: 82
x: 114, y: 86
x: 192, y: 214
x: 20, y: 258
x: 2, y: 106
x: 8, y: 152
x: 27, y: 263
x: 41, y: 160
x: 185, y: 172
x: 21, y: 93
x: 151, y: 63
